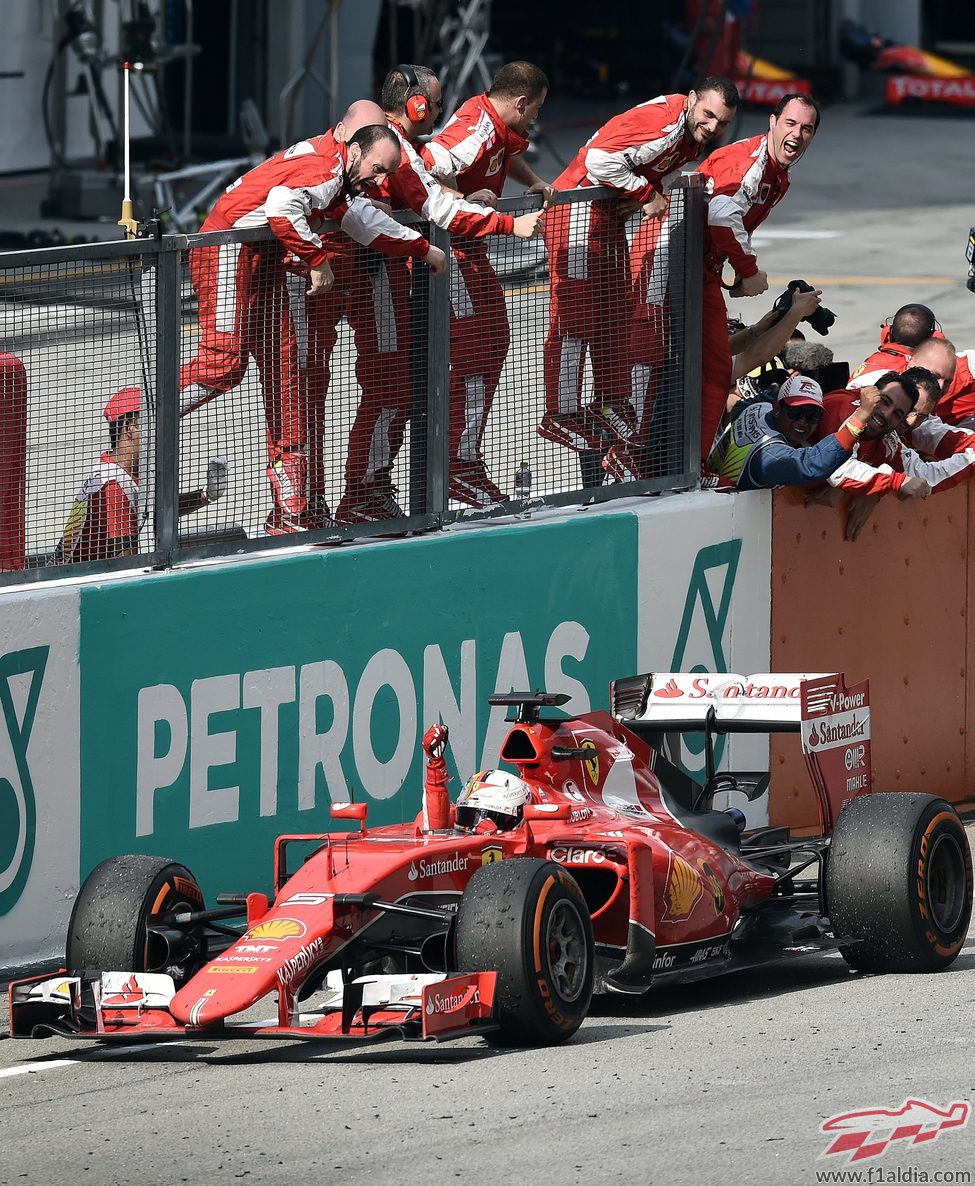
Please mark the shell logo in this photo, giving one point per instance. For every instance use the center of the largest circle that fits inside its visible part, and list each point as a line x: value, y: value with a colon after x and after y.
x: 683, y: 889
x: 277, y: 928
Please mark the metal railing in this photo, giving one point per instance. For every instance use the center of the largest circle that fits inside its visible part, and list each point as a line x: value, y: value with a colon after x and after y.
x: 465, y: 366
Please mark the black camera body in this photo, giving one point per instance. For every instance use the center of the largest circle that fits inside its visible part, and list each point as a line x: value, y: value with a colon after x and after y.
x: 970, y: 256
x: 820, y: 321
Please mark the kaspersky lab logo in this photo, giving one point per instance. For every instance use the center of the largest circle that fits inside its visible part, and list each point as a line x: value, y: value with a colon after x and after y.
x: 18, y: 811
x: 701, y: 637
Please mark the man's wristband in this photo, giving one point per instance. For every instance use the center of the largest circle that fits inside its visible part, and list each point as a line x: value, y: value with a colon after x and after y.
x: 855, y: 428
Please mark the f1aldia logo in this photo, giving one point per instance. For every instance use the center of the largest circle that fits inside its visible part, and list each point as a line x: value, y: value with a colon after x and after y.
x: 21, y: 677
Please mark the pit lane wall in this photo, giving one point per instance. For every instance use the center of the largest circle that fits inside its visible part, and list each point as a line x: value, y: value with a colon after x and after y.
x: 198, y: 714
x: 894, y: 607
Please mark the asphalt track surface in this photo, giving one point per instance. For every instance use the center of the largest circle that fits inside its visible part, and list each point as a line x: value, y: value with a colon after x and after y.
x: 725, y: 1081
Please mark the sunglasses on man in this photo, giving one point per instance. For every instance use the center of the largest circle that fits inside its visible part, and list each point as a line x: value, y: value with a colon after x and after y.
x: 797, y: 412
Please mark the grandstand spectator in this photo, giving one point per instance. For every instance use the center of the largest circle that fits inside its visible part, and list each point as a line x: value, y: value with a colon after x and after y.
x: 746, y: 181
x: 899, y: 338
x: 769, y: 444
x: 479, y: 147
x: 242, y: 292
x: 591, y: 303
x: 104, y: 518
x: 376, y: 303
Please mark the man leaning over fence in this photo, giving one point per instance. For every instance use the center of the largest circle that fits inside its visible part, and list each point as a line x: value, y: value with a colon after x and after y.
x: 242, y: 292
x: 377, y: 301
x: 591, y: 304
x: 745, y: 180
x: 482, y: 143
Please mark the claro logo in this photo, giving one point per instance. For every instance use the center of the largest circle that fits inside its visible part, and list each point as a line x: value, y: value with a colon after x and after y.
x: 18, y: 809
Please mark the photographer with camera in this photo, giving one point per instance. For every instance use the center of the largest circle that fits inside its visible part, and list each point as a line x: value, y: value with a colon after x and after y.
x: 746, y: 180
x: 762, y: 342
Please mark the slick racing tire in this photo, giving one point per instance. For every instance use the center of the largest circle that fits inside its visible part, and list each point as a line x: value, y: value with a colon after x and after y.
x: 109, y: 927
x: 899, y: 880
x: 527, y: 920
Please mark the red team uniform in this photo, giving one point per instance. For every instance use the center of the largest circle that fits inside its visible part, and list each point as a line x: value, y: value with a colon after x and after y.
x: 957, y: 405
x: 745, y: 184
x: 375, y: 299
x: 881, y: 466
x: 589, y: 263
x: 475, y: 149
x: 104, y: 519
x: 243, y: 295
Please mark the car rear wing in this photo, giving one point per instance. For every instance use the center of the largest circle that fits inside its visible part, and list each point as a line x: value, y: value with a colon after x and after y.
x: 832, y: 719
x: 695, y: 702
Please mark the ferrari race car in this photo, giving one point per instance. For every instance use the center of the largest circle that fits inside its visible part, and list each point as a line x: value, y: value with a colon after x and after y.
x: 602, y: 866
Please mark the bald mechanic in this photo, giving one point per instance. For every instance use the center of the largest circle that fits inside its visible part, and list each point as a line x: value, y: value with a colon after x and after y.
x: 746, y: 181
x: 242, y: 293
x: 377, y: 301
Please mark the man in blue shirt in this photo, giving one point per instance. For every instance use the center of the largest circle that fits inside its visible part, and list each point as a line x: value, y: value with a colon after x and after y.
x: 768, y: 444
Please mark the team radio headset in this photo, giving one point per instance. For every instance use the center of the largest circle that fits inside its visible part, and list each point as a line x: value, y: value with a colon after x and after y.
x: 416, y: 106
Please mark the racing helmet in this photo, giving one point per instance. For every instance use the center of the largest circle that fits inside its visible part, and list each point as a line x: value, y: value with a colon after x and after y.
x: 493, y: 795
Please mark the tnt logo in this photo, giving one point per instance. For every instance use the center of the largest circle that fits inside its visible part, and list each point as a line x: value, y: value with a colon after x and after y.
x: 861, y: 1135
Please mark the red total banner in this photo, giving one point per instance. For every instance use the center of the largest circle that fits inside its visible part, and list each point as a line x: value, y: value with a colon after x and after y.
x: 959, y: 92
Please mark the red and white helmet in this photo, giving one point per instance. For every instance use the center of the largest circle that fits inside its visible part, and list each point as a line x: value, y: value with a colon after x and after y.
x: 493, y: 795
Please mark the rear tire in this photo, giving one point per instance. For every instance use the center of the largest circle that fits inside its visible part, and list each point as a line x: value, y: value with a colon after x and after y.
x: 109, y: 927
x: 528, y: 921
x: 899, y: 879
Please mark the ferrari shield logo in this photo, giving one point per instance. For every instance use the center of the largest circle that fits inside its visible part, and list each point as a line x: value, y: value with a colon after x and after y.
x: 764, y: 191
x: 591, y: 761
x: 493, y: 852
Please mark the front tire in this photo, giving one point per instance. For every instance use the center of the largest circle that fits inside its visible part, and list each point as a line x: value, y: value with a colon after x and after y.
x: 899, y: 879
x: 109, y: 927
x: 527, y: 920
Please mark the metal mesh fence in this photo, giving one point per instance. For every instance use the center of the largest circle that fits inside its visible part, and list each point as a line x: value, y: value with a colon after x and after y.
x: 174, y: 396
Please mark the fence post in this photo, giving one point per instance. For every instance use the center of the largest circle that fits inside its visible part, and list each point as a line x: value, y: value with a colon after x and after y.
x: 167, y: 360
x: 692, y: 266
x: 430, y: 430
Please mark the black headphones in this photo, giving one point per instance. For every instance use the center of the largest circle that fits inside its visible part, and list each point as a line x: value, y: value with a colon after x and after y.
x: 415, y: 104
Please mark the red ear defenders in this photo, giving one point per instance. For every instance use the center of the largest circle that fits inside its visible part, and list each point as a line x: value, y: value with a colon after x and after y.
x: 415, y: 105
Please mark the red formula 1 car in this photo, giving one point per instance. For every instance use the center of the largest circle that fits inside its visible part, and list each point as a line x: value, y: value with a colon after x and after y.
x: 601, y: 866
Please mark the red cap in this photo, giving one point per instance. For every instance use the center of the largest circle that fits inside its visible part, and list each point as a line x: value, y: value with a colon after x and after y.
x: 798, y: 389
x: 123, y: 403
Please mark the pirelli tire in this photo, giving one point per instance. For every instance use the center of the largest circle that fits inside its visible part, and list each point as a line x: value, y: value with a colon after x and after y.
x: 899, y: 881
x: 120, y: 898
x: 527, y: 920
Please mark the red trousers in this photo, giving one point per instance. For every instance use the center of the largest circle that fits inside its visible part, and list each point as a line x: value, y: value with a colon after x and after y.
x: 479, y: 339
x: 243, y: 303
x: 372, y: 292
x: 650, y: 327
x: 590, y: 307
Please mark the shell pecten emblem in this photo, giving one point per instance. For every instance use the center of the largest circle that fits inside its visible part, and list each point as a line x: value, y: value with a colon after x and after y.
x: 683, y: 890
x: 277, y: 929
